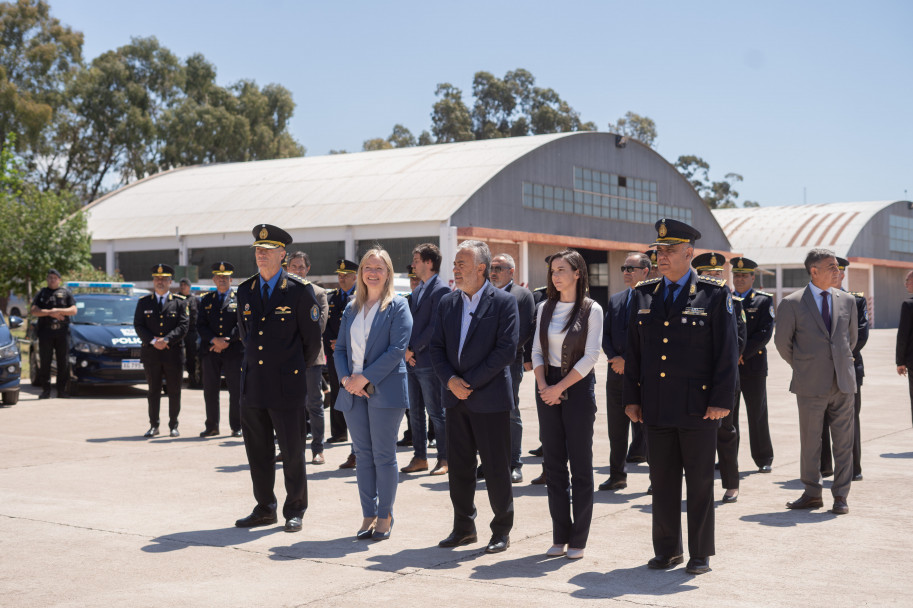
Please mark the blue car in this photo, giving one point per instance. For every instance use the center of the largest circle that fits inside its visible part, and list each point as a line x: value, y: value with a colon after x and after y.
x: 104, y: 347
x: 10, y: 360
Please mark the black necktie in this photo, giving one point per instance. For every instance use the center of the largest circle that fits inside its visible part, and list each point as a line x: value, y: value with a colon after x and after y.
x: 265, y: 293
x: 825, y: 311
x: 670, y: 296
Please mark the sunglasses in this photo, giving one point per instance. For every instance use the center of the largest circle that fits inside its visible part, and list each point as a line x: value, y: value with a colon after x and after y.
x: 631, y: 268
x: 500, y: 268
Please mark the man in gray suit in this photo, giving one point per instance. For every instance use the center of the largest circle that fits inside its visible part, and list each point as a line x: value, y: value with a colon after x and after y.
x: 816, y: 333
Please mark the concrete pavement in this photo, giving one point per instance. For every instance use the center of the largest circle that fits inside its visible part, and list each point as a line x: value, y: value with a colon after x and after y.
x: 91, y: 514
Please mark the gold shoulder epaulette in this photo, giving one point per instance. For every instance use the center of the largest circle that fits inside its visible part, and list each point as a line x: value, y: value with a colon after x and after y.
x: 180, y: 296
x: 763, y: 293
x: 649, y: 282
x: 737, y: 298
x: 858, y: 294
x: 712, y: 280
x: 298, y: 279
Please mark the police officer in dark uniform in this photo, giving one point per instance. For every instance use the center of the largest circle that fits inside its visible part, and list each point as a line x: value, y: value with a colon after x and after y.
x: 681, y: 365
x: 161, y: 322
x: 336, y: 300
x: 220, y: 350
x: 53, y: 306
x: 191, y: 338
x: 279, y: 325
x: 862, y: 316
x: 759, y: 317
x: 654, y: 269
x: 712, y: 264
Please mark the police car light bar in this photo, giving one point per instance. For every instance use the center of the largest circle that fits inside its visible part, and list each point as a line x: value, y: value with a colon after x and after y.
x: 203, y: 288
x: 108, y: 285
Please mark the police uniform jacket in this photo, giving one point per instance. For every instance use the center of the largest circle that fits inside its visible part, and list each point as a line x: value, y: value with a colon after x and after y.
x: 862, y: 314
x: 193, y: 311
x: 759, y: 317
x: 280, y: 337
x: 169, y: 321
x: 679, y: 363
x: 903, y: 354
x: 219, y: 321
x: 336, y: 304
x: 740, y: 323
x: 47, y: 299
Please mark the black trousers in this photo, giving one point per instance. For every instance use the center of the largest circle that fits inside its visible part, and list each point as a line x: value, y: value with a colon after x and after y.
x: 257, y: 425
x: 910, y: 381
x: 489, y: 435
x: 338, y: 426
x: 727, y: 447
x: 827, y: 460
x: 190, y: 356
x: 618, y: 423
x: 754, y: 391
x: 673, y: 450
x: 53, y: 344
x: 567, y: 438
x: 214, y: 366
x: 167, y: 365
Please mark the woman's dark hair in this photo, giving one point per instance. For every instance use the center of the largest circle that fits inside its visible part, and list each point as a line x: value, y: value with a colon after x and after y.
x: 575, y: 261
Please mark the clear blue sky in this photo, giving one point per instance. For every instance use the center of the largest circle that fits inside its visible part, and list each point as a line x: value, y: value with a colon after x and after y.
x: 793, y: 95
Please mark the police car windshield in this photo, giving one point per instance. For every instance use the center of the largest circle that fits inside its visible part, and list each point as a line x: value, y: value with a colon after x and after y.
x: 105, y: 310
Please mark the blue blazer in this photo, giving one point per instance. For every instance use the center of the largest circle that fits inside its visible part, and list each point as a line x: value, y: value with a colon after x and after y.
x: 423, y: 319
x: 615, y: 326
x: 384, y: 365
x: 489, y: 349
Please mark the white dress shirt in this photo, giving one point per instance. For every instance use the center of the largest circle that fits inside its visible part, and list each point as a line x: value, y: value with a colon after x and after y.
x: 557, y: 333
x: 469, y: 307
x: 358, y: 336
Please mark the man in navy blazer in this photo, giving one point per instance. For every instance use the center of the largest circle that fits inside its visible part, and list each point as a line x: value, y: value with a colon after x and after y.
x: 424, y: 386
x: 614, y: 342
x: 473, y: 343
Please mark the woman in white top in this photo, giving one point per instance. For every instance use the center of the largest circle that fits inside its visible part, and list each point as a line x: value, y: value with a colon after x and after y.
x: 565, y: 351
x: 369, y: 356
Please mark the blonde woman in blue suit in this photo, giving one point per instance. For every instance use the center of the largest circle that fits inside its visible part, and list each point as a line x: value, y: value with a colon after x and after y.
x: 369, y: 357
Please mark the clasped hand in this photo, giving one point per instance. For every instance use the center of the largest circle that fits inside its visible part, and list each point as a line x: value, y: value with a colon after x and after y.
x: 716, y: 413
x: 459, y: 387
x: 219, y: 344
x: 550, y: 395
x: 356, y: 385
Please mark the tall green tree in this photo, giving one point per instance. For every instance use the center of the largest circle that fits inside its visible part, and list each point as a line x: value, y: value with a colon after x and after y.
x: 39, y: 57
x: 716, y: 194
x: 450, y: 118
x: 641, y: 128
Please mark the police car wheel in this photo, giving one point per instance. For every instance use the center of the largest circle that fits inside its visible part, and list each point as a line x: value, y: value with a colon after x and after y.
x: 11, y: 397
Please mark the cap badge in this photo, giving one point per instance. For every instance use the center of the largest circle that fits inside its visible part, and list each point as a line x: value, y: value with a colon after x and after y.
x: 662, y: 230
x: 159, y: 269
x: 342, y: 265
x: 713, y: 260
x: 222, y: 267
x: 741, y: 263
x: 263, y: 233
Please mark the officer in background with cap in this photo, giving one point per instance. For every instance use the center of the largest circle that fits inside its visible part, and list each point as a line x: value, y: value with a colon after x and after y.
x: 654, y: 269
x: 712, y: 264
x: 191, y: 338
x: 759, y: 318
x: 221, y: 350
x: 336, y: 300
x: 161, y: 323
x: 680, y: 371
x: 53, y: 306
x: 279, y: 325
x: 862, y: 318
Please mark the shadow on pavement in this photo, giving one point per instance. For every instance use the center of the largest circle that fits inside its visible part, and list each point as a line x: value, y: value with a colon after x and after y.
x: 325, y: 549
x: 791, y: 484
x: 898, y: 455
x: 789, y: 518
x: 232, y: 468
x: 532, y: 566
x: 427, y: 557
x: 221, y: 537
x: 631, y: 581
x: 134, y: 438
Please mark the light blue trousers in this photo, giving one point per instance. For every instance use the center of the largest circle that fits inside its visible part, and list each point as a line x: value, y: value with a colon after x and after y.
x: 374, y: 431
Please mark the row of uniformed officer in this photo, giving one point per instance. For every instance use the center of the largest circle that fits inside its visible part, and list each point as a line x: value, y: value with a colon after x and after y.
x: 161, y: 320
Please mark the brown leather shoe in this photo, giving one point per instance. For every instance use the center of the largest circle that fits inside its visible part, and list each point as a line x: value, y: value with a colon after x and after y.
x: 440, y: 468
x: 806, y: 502
x: 840, y: 506
x: 538, y: 481
x: 415, y: 465
x: 349, y: 463
x: 318, y: 458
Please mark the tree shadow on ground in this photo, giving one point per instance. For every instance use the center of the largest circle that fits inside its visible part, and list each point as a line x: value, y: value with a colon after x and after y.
x: 220, y: 537
x: 631, y: 581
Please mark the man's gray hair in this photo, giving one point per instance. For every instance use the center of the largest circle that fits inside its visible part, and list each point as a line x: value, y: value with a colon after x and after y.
x: 508, y: 257
x: 481, y: 252
x: 642, y: 259
x: 816, y: 255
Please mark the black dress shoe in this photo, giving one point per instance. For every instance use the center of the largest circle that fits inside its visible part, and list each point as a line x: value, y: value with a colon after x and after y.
x: 840, y: 506
x: 541, y: 480
x: 337, y: 439
x: 253, y: 520
x: 277, y: 458
x: 498, y: 544
x: 432, y: 443
x: 62, y: 395
x: 650, y: 490
x: 152, y: 432
x: 364, y: 534
x: 857, y: 477
x: 209, y: 433
x: 174, y: 433
x: 458, y: 539
x: 729, y: 499
x: 662, y: 562
x: 480, y: 474
x: 293, y: 524
x: 383, y: 535
x: 613, y: 484
x: 698, y: 565
x: 236, y: 433
x: 537, y: 451
x: 45, y: 394
x: 827, y: 472
x: 404, y: 443
x: 806, y: 502
x: 636, y: 459
x: 764, y: 469
x: 516, y: 476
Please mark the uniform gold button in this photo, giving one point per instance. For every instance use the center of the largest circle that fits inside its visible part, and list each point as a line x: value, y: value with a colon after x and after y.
x: 662, y: 374
x: 260, y: 362
x: 760, y: 352
x: 296, y: 371
x: 704, y: 387
x: 259, y: 348
x: 665, y: 340
x: 261, y: 332
x: 666, y: 323
x: 663, y: 357
x: 263, y: 318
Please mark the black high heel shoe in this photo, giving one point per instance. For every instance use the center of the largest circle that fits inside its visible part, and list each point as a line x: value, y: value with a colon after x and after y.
x: 383, y: 535
x: 364, y: 534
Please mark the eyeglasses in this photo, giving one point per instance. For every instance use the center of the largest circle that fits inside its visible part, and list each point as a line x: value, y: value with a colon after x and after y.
x: 631, y: 268
x: 500, y: 268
